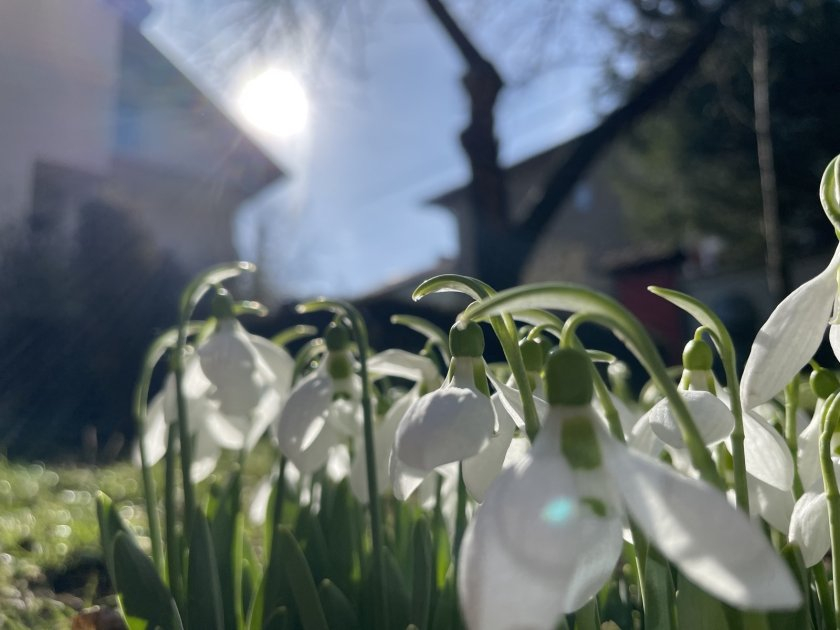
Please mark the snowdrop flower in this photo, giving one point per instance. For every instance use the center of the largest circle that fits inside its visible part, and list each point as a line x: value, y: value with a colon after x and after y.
x: 402, y: 364
x: 549, y: 533
x: 449, y: 424
x: 768, y: 461
x: 250, y: 377
x: 791, y: 336
x: 323, y: 408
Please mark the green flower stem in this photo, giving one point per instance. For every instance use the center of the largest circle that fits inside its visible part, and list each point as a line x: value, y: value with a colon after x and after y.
x: 360, y: 335
x: 831, y: 411
x: 726, y: 350
x: 824, y: 595
x: 791, y: 407
x: 173, y: 543
x: 607, y: 312
x: 140, y: 407
x: 505, y: 330
x: 460, y: 517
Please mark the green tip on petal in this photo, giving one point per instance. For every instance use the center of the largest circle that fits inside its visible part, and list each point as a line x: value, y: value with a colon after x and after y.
x: 466, y: 340
x: 337, y: 337
x: 697, y: 355
x: 568, y: 379
x: 823, y: 382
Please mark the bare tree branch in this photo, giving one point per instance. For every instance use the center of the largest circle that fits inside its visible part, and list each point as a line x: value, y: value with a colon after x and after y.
x: 562, y: 180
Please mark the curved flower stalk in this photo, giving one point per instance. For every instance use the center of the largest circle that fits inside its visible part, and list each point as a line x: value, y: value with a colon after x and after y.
x: 323, y: 408
x: 449, y: 424
x: 549, y: 533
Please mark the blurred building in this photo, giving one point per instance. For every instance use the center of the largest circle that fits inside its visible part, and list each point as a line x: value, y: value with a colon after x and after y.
x: 92, y: 111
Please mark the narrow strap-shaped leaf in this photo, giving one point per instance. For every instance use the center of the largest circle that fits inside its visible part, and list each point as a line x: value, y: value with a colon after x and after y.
x: 300, y: 580
x: 226, y: 533
x: 421, y: 583
x: 399, y: 603
x: 204, y: 595
x: 110, y: 524
x: 337, y: 608
x: 659, y: 592
x: 141, y: 592
x: 277, y: 620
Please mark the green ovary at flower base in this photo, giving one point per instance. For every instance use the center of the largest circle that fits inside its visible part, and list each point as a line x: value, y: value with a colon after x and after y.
x: 549, y: 533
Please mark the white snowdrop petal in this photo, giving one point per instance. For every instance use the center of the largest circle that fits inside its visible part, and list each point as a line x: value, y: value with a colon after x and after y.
x: 512, y: 401
x: 766, y: 453
x: 279, y: 361
x: 259, y: 503
x: 383, y: 442
x: 773, y: 505
x: 234, y: 367
x: 303, y: 434
x: 712, y: 417
x: 155, y: 431
x: 537, y: 548
x: 480, y: 470
x: 205, y: 455
x: 626, y: 416
x: 789, y: 337
x: 808, y: 449
x: 644, y: 440
x: 809, y: 527
x: 834, y: 339
x: 402, y: 364
x: 227, y: 431
x: 338, y: 463
x: 405, y: 479
x: 713, y: 544
x: 447, y: 425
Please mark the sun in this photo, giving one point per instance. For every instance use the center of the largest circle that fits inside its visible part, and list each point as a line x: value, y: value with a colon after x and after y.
x: 275, y: 102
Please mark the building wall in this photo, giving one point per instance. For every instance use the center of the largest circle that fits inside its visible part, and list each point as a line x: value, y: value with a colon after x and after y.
x: 58, y: 76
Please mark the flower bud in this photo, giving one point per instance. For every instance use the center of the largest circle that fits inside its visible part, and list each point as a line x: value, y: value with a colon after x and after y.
x: 568, y: 380
x: 467, y: 341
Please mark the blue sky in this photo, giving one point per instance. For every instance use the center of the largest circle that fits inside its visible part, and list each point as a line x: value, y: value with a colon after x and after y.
x: 383, y: 139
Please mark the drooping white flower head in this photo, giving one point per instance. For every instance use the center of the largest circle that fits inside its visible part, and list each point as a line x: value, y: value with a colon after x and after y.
x: 250, y: 377
x: 449, y: 424
x: 549, y: 532
x: 323, y: 408
x: 791, y: 336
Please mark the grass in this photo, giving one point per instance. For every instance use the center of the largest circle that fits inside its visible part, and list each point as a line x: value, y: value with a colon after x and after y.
x: 50, y: 559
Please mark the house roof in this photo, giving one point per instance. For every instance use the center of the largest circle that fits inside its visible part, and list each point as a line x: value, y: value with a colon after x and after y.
x: 208, y: 138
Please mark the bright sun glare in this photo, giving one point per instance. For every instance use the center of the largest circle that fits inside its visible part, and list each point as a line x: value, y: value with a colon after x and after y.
x: 275, y: 102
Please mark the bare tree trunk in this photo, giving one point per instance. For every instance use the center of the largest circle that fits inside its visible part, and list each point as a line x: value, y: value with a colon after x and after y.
x: 502, y: 247
x: 777, y: 281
